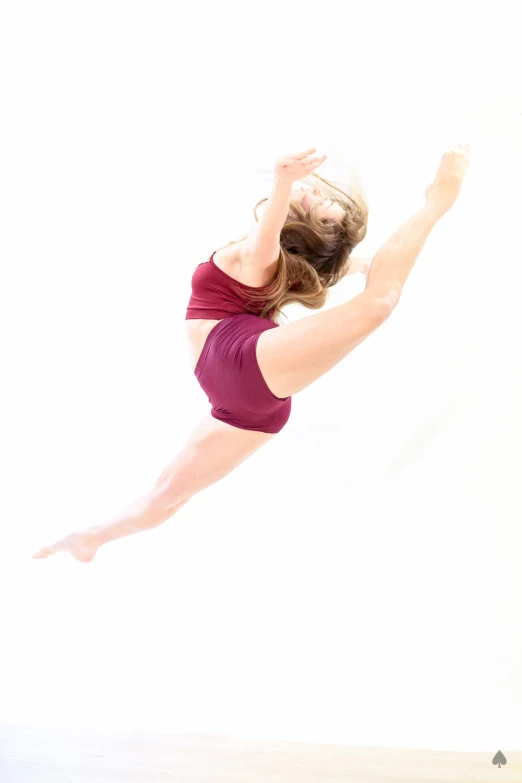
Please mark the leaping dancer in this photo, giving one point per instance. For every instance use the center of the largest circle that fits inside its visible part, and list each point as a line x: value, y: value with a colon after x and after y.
x: 247, y: 362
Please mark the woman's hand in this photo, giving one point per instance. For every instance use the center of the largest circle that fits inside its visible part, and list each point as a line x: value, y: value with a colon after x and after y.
x: 361, y: 265
x: 297, y: 166
x: 449, y: 178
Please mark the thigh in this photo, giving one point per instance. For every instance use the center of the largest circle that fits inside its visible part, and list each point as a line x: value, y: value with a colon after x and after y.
x: 296, y: 354
x: 233, y: 381
x: 212, y: 451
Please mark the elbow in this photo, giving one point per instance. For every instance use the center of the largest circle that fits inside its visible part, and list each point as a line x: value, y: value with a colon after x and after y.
x: 386, y: 296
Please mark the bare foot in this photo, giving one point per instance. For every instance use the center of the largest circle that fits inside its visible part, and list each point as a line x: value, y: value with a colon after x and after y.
x: 450, y: 175
x: 81, y: 546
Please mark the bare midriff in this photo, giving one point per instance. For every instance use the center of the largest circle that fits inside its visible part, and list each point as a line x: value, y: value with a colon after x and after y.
x: 198, y: 330
x: 228, y: 259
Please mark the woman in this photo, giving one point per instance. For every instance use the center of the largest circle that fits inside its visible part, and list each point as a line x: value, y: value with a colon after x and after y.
x: 248, y: 364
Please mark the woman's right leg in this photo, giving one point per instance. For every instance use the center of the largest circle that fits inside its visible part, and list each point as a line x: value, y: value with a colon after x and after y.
x: 297, y: 354
x: 294, y: 355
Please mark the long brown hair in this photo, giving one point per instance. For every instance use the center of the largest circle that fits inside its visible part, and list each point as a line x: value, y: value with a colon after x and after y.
x: 315, y: 252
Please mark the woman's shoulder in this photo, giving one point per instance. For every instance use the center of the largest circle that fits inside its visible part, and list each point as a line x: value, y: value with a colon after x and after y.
x: 231, y: 259
x: 228, y: 255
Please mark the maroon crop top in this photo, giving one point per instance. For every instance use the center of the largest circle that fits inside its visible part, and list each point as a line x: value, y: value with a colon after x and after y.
x: 216, y: 295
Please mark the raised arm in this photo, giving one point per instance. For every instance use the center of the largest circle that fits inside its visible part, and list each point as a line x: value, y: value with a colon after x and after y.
x: 262, y: 248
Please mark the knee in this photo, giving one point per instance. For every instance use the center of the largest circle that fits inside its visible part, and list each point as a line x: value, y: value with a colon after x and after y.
x: 386, y: 297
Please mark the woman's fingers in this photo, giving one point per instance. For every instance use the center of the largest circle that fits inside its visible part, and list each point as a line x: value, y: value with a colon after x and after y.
x: 305, y: 154
x: 301, y: 155
x: 315, y: 161
x: 465, y: 149
x: 294, y: 167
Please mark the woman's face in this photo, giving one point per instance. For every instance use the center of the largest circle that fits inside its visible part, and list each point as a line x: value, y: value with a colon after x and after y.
x: 309, y: 197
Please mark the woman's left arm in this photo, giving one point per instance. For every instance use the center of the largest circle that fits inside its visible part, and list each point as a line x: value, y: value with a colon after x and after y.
x: 262, y: 247
x: 359, y: 265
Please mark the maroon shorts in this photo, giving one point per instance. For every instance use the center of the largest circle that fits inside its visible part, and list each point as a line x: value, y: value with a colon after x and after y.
x: 228, y: 373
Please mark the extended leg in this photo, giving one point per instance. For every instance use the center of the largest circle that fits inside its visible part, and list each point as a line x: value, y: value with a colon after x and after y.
x: 297, y: 354
x: 213, y: 450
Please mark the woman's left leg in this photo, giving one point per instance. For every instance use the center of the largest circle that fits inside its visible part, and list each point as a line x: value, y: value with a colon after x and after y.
x: 212, y: 451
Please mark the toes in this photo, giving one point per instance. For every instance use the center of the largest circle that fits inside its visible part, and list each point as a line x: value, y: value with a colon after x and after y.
x: 84, y: 554
x: 44, y: 552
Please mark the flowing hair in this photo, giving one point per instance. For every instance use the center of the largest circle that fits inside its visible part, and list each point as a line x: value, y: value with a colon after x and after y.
x: 315, y: 252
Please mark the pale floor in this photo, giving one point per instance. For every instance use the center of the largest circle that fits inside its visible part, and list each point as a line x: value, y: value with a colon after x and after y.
x: 30, y: 755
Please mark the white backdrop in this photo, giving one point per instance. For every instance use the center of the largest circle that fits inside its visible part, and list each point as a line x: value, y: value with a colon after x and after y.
x: 358, y: 579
